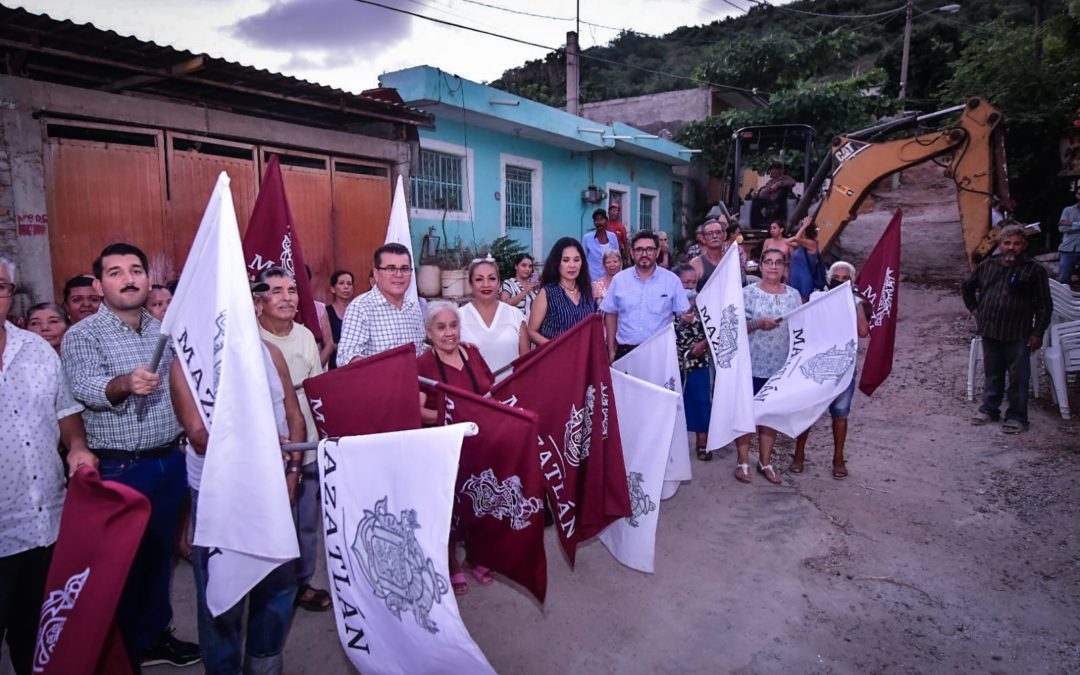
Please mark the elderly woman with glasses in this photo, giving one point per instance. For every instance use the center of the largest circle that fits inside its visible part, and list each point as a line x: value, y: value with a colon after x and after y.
x: 766, y: 303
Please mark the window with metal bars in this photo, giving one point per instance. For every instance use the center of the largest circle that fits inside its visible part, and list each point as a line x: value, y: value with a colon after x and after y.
x: 645, y: 204
x: 439, y: 184
x: 518, y: 197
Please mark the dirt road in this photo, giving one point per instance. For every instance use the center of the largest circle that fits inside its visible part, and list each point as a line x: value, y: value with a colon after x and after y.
x: 950, y: 547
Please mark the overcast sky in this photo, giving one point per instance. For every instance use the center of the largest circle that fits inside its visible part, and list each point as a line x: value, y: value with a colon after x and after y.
x: 347, y: 44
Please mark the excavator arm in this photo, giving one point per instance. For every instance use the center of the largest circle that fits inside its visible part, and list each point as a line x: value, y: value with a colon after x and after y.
x: 977, y: 167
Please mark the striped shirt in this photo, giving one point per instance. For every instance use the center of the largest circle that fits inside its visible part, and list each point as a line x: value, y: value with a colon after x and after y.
x: 102, y: 347
x: 1009, y: 303
x: 562, y: 313
x: 372, y: 325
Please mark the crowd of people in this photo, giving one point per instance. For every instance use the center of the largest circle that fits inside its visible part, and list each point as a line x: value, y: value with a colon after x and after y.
x: 74, y: 384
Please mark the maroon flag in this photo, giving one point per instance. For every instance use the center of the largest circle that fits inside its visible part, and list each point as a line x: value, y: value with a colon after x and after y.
x: 568, y: 384
x: 100, y: 530
x: 879, y: 283
x: 499, y: 507
x: 367, y: 396
x: 272, y: 240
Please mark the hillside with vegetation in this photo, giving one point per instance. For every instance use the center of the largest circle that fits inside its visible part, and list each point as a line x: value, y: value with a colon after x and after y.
x: 835, y: 64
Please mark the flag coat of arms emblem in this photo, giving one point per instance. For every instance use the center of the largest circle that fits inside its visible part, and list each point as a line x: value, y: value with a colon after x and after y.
x: 821, y: 357
x: 100, y: 530
x: 656, y: 361
x: 387, y: 502
x: 722, y: 314
x: 879, y: 283
x: 243, y: 500
x: 271, y: 240
x: 648, y: 413
x: 500, y: 508
x: 567, y: 383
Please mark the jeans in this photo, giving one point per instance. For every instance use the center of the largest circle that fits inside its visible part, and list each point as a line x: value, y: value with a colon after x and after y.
x: 22, y: 587
x: 145, y: 610
x: 840, y: 408
x: 1066, y: 264
x: 1013, y: 357
x: 306, y: 517
x: 269, y: 615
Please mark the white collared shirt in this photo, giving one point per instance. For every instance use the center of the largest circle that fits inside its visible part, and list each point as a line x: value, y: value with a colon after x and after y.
x: 34, y: 395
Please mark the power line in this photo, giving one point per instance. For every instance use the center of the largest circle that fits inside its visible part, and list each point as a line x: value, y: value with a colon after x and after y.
x: 833, y: 16
x: 583, y: 55
x: 540, y: 16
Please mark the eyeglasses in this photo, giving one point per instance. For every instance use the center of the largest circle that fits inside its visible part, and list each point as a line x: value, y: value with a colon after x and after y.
x: 394, y: 271
x: 713, y: 233
x: 773, y: 263
x: 6, y: 290
x: 642, y: 250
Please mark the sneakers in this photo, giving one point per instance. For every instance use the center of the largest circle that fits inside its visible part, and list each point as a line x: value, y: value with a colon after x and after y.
x: 171, y: 651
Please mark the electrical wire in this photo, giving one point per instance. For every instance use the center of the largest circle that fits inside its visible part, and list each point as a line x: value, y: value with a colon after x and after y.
x: 582, y: 55
x: 833, y: 16
x: 540, y: 16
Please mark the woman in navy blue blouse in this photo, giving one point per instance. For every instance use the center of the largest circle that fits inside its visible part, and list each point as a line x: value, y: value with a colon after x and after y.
x: 565, y: 296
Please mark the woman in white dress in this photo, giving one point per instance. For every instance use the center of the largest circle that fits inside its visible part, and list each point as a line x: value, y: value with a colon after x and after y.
x: 496, y: 328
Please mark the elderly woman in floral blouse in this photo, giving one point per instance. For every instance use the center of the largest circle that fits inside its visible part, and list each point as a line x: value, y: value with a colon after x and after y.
x: 693, y: 351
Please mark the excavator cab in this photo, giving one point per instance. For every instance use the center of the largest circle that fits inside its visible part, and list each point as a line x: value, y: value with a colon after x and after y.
x: 789, y: 149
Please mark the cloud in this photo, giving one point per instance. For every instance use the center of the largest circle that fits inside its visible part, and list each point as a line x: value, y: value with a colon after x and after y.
x: 324, y: 26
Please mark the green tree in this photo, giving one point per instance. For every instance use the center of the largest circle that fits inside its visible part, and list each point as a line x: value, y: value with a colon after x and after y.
x: 831, y: 108
x: 1038, y: 98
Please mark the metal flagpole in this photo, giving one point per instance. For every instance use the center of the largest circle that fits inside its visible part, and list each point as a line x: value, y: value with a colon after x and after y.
x: 471, y: 429
x: 155, y: 361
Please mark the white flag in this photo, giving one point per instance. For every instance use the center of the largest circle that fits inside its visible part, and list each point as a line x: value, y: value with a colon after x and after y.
x: 387, y: 500
x: 657, y: 361
x: 397, y: 232
x: 720, y: 306
x: 244, y: 513
x: 823, y: 343
x: 646, y: 416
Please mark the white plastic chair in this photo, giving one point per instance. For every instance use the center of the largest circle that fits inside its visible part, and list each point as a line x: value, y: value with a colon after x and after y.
x: 976, y: 355
x: 1062, y: 355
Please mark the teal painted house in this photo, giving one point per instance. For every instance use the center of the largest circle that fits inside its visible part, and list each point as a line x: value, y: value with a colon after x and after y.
x: 498, y: 164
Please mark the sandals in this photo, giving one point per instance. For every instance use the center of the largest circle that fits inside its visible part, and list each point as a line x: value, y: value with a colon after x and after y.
x: 742, y: 473
x: 769, y: 472
x: 796, y: 467
x: 704, y: 455
x: 839, y: 471
x: 459, y: 583
x: 318, y: 602
x: 483, y: 575
x: 1011, y: 426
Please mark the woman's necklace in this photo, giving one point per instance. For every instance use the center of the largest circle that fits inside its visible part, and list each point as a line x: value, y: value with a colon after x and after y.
x: 573, y: 290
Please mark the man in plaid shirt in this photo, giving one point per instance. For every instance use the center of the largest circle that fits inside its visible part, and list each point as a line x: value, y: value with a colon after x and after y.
x: 1009, y: 295
x: 106, y: 359
x: 384, y: 317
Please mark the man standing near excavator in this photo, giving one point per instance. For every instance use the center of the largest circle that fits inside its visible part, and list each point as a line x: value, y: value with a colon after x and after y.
x: 1009, y: 295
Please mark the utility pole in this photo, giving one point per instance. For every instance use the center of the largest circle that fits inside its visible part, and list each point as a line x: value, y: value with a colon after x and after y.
x: 573, y: 74
x: 1040, y: 14
x: 907, y: 51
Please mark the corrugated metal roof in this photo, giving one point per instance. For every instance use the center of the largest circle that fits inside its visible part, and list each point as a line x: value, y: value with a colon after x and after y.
x: 43, y: 48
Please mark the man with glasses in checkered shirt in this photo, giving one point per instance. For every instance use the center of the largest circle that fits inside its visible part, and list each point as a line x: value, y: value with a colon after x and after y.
x: 384, y: 317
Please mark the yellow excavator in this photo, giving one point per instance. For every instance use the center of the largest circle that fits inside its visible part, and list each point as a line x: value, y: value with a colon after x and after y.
x: 856, y: 161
